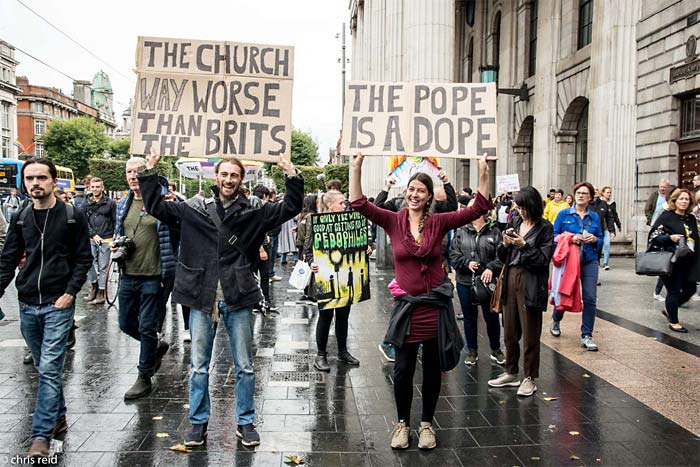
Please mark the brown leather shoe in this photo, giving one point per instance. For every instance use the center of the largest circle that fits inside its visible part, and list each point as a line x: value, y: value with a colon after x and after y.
x: 99, y: 298
x: 60, y: 428
x: 39, y: 448
x: 92, y: 294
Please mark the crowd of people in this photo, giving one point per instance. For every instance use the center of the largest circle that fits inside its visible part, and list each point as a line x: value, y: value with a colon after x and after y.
x: 512, y: 257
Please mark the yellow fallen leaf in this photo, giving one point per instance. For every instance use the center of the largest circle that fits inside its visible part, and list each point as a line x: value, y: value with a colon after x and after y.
x: 294, y: 460
x: 157, y: 417
x: 586, y: 375
x: 162, y: 435
x: 574, y: 433
x: 550, y: 398
x: 179, y: 447
x: 535, y: 458
x: 574, y: 457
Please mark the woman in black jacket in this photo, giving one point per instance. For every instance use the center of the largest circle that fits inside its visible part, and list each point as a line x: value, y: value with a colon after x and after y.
x: 473, y: 256
x: 671, y: 227
x: 528, y: 244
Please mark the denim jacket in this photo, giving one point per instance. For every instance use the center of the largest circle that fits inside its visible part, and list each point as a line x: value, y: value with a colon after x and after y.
x: 569, y: 221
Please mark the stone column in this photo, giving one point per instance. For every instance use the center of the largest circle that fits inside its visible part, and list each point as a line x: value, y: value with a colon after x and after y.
x: 393, y: 47
x: 612, y: 120
x: 546, y: 167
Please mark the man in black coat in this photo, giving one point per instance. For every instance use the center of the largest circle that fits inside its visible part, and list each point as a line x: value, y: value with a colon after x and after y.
x: 220, y: 239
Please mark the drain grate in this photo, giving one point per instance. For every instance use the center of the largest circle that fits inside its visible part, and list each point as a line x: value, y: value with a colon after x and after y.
x: 296, y: 377
x: 296, y: 358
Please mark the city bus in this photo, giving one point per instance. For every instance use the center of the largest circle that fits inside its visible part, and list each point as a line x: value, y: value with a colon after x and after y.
x: 11, y: 176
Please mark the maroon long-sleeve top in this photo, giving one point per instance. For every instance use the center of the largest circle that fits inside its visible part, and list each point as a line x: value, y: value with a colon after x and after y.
x: 419, y: 267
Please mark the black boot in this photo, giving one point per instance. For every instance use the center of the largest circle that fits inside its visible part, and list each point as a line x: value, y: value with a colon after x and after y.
x: 163, y: 348
x: 142, y: 387
x: 321, y: 362
x: 345, y: 357
x: 71, y: 336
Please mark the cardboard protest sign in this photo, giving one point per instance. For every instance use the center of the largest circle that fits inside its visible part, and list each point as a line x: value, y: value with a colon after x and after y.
x: 206, y: 98
x: 455, y: 120
x: 340, y: 251
x: 507, y: 183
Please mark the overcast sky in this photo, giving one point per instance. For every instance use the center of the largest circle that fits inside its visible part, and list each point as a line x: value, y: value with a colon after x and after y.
x: 110, y: 29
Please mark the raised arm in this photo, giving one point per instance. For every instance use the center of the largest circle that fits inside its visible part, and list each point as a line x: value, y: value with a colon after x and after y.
x: 278, y: 213
x: 481, y: 206
x: 149, y: 184
x: 358, y: 202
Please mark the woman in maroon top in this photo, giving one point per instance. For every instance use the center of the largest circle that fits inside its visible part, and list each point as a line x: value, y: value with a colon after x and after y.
x: 416, y: 236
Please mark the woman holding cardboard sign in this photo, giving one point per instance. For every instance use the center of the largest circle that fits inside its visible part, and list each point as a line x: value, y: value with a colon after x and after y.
x: 333, y: 201
x: 423, y: 296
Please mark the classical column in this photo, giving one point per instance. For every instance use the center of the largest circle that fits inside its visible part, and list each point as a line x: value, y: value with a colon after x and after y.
x: 393, y: 48
x: 546, y: 163
x: 612, y: 117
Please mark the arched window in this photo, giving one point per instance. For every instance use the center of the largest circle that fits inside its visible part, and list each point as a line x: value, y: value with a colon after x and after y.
x: 470, y: 60
x: 581, y: 167
x: 496, y: 36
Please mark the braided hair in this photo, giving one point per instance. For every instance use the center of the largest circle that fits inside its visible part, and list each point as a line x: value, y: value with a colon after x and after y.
x: 426, y: 180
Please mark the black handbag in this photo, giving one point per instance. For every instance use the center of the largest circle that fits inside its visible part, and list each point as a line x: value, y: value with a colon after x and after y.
x: 482, y: 291
x: 654, y: 263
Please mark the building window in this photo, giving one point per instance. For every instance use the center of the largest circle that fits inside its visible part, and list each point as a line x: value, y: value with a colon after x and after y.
x: 690, y: 116
x: 39, y: 127
x: 581, y: 167
x: 5, y: 148
x: 496, y: 40
x: 585, y: 22
x: 39, y: 107
x: 39, y: 150
x: 533, y: 38
x: 470, y: 60
x: 5, y: 116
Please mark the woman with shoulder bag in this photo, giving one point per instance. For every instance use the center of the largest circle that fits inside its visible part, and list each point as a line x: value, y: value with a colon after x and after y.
x: 473, y: 256
x: 672, y: 228
x: 528, y: 244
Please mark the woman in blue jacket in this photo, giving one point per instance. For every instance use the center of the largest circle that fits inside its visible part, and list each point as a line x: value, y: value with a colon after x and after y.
x: 580, y: 220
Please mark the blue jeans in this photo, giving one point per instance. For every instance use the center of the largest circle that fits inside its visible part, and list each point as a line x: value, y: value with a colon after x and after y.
x: 239, y: 326
x: 589, y: 289
x: 98, y: 270
x: 45, y: 329
x: 274, y: 245
x: 471, y: 316
x: 139, y: 316
x: 606, y: 246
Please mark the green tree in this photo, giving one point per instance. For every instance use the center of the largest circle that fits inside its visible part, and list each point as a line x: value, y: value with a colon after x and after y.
x: 73, y: 142
x: 113, y: 172
x: 119, y: 148
x: 304, y: 149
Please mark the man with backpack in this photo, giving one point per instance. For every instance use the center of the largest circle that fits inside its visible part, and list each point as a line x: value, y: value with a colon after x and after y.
x: 55, y: 238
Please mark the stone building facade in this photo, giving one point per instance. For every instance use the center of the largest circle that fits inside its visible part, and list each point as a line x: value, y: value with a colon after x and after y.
x: 8, y: 101
x: 576, y: 58
x: 668, y: 96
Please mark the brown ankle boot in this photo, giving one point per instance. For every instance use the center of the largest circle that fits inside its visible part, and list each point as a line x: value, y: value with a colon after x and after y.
x: 93, y: 293
x: 99, y: 299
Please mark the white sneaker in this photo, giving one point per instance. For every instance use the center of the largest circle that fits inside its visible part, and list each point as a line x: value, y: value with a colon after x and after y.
x: 659, y: 297
x: 504, y: 380
x: 695, y: 298
x: 587, y: 342
x: 527, y: 387
x: 426, y: 436
x: 275, y: 278
x: 187, y: 337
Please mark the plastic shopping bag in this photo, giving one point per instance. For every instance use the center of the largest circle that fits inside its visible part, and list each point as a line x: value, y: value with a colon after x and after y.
x: 300, y: 275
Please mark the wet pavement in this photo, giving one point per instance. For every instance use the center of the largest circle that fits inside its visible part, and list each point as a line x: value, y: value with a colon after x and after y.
x: 577, y: 417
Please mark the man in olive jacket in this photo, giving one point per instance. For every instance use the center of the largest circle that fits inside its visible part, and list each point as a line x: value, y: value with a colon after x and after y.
x: 214, y: 277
